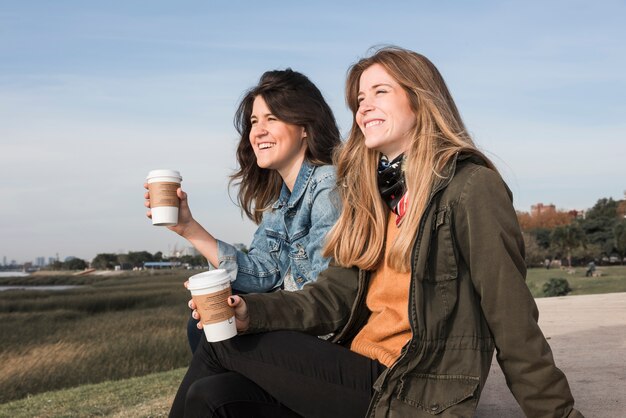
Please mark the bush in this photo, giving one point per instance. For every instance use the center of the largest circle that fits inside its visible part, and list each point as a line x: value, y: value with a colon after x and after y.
x: 556, y: 287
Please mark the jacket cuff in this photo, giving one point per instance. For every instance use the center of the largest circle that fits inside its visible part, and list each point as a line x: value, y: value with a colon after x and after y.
x: 257, y: 315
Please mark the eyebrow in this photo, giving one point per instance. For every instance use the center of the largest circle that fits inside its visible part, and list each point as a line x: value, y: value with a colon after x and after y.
x: 265, y: 115
x: 375, y: 86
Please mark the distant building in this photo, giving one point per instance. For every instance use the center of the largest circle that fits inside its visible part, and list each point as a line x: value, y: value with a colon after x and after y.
x: 40, y: 262
x: 540, y: 208
x: 161, y: 264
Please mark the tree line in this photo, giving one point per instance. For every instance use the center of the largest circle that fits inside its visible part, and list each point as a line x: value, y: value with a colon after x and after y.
x: 599, y: 235
x: 127, y: 261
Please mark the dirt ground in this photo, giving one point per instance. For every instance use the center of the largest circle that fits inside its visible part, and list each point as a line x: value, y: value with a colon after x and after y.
x: 588, y: 339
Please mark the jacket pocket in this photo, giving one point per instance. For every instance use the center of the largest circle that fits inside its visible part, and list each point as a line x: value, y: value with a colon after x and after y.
x: 435, y: 394
x: 442, y: 263
x: 275, y: 241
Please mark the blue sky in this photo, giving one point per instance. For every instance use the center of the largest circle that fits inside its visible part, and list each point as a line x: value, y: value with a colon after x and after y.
x: 95, y: 94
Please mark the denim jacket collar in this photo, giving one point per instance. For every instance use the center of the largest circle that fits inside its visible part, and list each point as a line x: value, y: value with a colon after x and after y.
x: 290, y: 199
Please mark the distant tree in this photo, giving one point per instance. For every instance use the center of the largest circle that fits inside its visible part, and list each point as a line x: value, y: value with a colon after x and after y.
x: 105, y: 261
x: 158, y: 256
x: 621, y: 209
x: 620, y: 239
x: 75, y: 264
x: 55, y: 265
x: 599, y: 224
x: 136, y: 259
x: 587, y: 253
x: 542, y: 236
x: 604, y: 208
x: 535, y: 254
x: 194, y: 260
x: 549, y: 219
x: 566, y: 238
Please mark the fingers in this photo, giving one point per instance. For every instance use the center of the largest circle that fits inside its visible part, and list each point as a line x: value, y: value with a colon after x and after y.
x: 186, y: 284
x: 146, y: 203
x: 232, y: 302
x: 181, y: 195
x: 194, y: 313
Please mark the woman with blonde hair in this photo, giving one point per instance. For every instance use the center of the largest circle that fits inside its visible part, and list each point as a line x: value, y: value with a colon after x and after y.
x: 428, y: 279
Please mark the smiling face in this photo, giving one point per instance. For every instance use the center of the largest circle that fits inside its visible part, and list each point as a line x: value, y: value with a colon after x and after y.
x: 384, y: 114
x: 277, y: 145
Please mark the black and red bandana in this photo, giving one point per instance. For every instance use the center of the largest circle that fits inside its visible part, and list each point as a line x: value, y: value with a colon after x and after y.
x: 392, y: 186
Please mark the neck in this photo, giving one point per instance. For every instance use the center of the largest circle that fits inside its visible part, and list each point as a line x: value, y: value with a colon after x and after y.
x: 290, y: 174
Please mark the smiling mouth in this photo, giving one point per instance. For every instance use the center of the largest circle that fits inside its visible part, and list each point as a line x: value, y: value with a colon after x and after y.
x: 266, y: 145
x: 374, y: 123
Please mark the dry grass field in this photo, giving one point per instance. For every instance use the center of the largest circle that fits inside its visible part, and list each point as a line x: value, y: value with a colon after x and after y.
x: 99, y: 339
x: 108, y: 328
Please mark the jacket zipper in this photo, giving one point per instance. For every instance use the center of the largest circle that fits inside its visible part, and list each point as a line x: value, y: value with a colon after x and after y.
x: 420, y: 233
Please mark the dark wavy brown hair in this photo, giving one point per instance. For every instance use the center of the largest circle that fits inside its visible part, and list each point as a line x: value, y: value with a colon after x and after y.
x: 293, y: 99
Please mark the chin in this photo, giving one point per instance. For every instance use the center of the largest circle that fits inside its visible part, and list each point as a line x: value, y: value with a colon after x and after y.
x: 264, y: 164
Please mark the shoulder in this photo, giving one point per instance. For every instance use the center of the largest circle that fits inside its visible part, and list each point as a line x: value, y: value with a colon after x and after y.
x: 476, y: 185
x: 325, y: 175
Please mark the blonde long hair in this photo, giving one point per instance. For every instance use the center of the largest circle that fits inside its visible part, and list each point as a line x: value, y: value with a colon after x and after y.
x: 358, y: 237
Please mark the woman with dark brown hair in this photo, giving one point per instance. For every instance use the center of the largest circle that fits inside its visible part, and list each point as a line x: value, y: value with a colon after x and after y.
x: 286, y: 185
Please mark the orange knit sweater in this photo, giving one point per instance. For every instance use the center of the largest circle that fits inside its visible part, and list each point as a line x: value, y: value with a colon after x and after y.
x: 387, y: 329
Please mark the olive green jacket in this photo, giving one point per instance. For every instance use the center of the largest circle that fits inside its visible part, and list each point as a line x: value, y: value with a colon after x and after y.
x: 468, y: 297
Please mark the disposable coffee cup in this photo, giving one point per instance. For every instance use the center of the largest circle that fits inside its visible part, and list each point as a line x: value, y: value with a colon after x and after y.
x: 164, y: 202
x: 210, y: 291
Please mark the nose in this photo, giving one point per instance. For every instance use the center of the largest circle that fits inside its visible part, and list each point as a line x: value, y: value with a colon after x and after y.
x: 364, y: 106
x: 258, y: 130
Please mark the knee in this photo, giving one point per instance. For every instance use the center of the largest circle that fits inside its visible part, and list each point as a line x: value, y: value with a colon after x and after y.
x: 197, y: 397
x: 205, y: 397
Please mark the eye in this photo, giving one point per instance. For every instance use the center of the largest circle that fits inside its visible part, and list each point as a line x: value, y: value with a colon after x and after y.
x: 253, y: 122
x: 271, y: 117
x: 381, y: 91
x: 359, y: 100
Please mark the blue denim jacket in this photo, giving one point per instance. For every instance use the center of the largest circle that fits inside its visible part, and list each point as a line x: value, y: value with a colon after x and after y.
x: 288, y: 242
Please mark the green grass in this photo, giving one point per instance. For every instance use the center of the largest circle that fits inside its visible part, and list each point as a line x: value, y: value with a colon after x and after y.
x: 147, y: 396
x: 613, y: 280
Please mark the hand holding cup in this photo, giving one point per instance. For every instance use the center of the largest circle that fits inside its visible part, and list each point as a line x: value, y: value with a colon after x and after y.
x: 163, y: 196
x: 242, y: 320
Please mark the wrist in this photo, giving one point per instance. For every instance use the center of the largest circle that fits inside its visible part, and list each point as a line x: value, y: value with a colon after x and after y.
x: 191, y: 230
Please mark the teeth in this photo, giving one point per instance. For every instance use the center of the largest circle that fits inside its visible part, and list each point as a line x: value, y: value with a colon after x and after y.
x: 265, y: 145
x: 373, y: 123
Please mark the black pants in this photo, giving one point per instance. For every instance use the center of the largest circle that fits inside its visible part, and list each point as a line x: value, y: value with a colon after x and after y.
x: 276, y: 374
x: 193, y: 334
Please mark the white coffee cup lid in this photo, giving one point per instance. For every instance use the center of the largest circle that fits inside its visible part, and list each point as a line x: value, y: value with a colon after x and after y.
x: 208, y: 279
x: 164, y: 173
